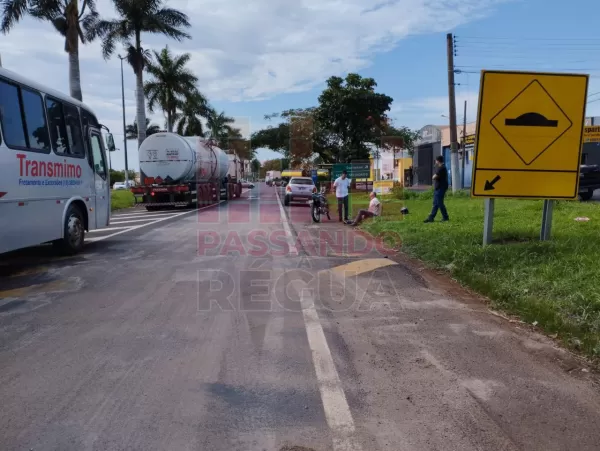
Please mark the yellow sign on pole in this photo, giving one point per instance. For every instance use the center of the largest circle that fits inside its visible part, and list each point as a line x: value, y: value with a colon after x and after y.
x: 529, y: 135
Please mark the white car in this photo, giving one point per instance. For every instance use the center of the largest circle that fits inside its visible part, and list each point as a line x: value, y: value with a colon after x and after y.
x: 123, y: 185
x: 299, y: 188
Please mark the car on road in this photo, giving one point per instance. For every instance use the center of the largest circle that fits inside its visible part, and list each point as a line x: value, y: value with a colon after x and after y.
x: 247, y: 184
x: 123, y: 185
x: 299, y: 188
x: 589, y: 180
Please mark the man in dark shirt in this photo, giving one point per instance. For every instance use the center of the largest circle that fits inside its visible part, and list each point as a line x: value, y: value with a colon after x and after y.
x: 440, y: 186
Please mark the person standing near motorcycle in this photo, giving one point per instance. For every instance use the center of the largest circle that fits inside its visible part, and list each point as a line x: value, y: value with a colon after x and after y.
x: 342, y: 186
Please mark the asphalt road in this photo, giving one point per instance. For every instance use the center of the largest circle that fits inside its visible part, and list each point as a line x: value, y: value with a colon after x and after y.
x: 239, y: 328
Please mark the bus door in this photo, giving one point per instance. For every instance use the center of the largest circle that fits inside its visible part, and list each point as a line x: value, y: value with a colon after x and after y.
x: 101, y: 183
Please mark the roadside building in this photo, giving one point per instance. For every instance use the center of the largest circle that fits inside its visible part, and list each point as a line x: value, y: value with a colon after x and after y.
x: 427, y: 146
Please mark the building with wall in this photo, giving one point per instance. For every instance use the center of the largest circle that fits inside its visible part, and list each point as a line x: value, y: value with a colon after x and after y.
x: 427, y: 146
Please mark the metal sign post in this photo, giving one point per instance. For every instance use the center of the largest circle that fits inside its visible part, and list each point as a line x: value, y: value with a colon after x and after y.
x: 547, y: 220
x: 488, y: 221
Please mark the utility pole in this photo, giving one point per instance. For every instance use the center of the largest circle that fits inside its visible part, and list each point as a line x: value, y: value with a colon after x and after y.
x: 452, y: 108
x: 124, y: 124
x: 464, y: 146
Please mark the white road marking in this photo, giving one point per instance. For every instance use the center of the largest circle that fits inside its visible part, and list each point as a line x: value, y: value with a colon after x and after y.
x: 140, y: 215
x: 129, y: 221
x: 136, y: 213
x: 286, y: 226
x: 92, y: 240
x: 337, y: 412
x: 109, y: 228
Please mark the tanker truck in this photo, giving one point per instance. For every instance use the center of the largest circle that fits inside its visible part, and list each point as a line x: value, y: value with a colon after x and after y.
x: 184, y: 171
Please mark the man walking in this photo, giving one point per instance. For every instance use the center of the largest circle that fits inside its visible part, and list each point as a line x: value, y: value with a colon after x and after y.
x: 342, y: 185
x: 440, y: 186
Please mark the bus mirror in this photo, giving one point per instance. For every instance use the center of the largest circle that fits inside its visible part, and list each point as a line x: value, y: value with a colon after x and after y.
x: 110, y: 142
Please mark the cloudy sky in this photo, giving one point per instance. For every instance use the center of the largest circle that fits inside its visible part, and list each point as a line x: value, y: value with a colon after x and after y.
x: 256, y: 58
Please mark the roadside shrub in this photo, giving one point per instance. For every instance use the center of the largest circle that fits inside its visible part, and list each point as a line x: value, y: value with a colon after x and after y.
x: 398, y: 191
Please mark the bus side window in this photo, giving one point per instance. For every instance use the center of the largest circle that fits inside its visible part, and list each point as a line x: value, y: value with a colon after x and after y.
x: 35, y: 120
x: 58, y: 132
x: 11, y: 117
x: 73, y: 128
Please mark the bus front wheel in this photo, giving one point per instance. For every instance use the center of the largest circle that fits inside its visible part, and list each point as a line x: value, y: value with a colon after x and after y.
x: 74, y: 231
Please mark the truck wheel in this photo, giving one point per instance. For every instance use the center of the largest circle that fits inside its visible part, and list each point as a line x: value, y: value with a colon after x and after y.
x: 587, y: 195
x: 73, y: 232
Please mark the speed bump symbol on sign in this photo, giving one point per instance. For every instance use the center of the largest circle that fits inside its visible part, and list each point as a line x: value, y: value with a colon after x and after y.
x: 529, y: 135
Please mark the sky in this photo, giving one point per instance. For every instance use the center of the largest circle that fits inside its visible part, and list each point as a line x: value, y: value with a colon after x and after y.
x: 261, y: 57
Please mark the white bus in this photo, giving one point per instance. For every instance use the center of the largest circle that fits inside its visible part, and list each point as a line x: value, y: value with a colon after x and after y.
x: 54, y: 176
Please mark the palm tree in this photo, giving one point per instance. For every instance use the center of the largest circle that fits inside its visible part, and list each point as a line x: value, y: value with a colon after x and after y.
x: 131, y: 131
x: 137, y: 17
x: 218, y: 124
x: 67, y: 17
x: 172, y: 82
x: 191, y: 109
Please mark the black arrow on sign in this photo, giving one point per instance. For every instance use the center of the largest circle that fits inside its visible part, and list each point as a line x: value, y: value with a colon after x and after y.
x: 490, y: 185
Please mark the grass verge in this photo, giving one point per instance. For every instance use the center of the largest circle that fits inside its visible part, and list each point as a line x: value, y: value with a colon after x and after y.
x: 121, y: 199
x: 555, y: 283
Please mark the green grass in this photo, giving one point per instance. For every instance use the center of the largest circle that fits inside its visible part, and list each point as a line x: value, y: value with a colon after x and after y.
x: 121, y: 199
x: 556, y: 283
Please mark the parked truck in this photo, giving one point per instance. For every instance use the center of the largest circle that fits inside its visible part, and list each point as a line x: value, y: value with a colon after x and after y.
x: 270, y: 177
x: 185, y: 171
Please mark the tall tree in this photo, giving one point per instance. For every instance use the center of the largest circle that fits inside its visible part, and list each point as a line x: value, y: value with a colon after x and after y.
x: 255, y: 165
x: 188, y: 118
x: 219, y: 125
x: 298, y: 137
x: 273, y: 165
x: 172, y: 82
x: 398, y: 139
x: 68, y: 18
x: 135, y: 18
x: 131, y: 131
x: 348, y: 109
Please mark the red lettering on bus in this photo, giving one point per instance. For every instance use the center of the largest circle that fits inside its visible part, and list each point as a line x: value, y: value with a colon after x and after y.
x: 35, y: 168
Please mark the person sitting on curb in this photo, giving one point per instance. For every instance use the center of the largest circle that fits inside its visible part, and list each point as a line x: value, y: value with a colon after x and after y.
x: 374, y: 210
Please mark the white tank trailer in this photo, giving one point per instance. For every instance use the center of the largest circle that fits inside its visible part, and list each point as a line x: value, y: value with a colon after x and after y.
x: 184, y: 171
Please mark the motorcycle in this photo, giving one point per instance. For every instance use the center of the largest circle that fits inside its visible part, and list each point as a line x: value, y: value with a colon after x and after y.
x: 319, y: 206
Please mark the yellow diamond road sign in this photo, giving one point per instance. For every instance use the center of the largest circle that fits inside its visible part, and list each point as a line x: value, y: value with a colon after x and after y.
x: 529, y: 135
